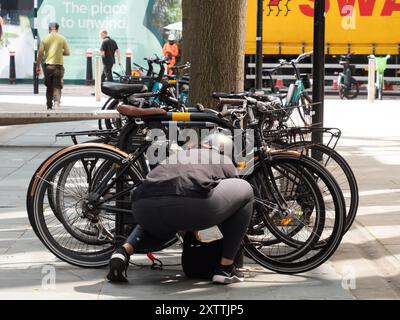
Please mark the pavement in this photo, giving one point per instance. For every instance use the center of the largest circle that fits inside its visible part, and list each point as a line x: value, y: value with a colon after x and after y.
x: 366, y: 265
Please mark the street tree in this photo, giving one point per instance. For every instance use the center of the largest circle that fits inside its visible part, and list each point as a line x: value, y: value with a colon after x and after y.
x: 214, y: 43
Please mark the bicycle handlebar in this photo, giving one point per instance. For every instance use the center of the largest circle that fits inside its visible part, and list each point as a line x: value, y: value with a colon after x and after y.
x: 157, y: 60
x: 141, y: 68
x: 182, y: 67
x: 303, y: 56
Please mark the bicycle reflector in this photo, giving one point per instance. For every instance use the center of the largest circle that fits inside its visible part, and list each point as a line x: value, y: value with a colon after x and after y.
x: 286, y: 222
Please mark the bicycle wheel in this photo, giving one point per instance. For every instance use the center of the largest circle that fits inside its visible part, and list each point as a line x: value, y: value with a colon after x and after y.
x: 332, y: 231
x: 354, y: 90
x: 304, y: 200
x: 87, y: 241
x: 341, y: 91
x: 291, y: 230
x: 340, y: 170
x: 112, y: 124
x: 101, y: 124
x: 305, y: 109
x: 69, y: 175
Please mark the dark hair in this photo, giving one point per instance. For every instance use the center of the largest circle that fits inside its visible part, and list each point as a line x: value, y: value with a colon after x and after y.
x: 54, y: 25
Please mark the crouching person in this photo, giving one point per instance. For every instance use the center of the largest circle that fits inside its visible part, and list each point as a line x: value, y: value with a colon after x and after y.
x: 187, y: 192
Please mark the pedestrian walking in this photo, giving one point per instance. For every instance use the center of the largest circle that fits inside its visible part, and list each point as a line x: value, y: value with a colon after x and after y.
x: 53, y: 47
x: 108, y: 50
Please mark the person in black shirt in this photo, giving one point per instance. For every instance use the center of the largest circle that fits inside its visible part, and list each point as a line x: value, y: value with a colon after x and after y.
x: 108, y: 49
x: 190, y: 191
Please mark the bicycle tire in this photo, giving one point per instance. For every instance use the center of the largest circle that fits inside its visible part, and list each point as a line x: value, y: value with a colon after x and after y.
x: 104, y: 107
x: 352, y: 204
x: 36, y: 194
x: 322, y: 254
x: 285, y: 233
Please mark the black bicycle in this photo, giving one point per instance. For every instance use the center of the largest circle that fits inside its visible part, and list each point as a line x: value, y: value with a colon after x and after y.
x: 278, y: 132
x: 79, y: 199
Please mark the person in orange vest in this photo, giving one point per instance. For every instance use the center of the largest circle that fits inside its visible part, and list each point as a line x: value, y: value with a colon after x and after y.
x: 171, y: 51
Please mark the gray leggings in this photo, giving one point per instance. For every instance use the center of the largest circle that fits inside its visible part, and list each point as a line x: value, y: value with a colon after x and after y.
x: 229, y: 207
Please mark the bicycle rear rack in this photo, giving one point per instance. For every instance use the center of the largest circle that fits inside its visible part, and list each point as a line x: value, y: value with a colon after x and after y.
x: 106, y: 134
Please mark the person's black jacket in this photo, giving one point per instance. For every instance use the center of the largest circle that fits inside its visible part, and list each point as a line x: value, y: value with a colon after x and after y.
x: 192, y: 173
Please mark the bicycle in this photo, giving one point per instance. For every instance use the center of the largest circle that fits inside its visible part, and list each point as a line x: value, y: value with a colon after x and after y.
x: 152, y: 80
x: 112, y: 180
x: 348, y: 86
x: 277, y: 134
x: 381, y: 65
x: 297, y: 94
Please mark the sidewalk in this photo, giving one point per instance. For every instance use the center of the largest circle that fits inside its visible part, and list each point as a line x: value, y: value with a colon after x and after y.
x: 371, y: 144
x: 370, y: 252
x: 20, y: 98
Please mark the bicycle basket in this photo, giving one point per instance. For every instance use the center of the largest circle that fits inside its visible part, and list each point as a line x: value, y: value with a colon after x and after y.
x: 305, y: 78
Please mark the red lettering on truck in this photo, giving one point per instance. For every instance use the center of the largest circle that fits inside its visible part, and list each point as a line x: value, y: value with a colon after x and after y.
x: 366, y: 7
x: 390, y: 7
x: 308, y: 10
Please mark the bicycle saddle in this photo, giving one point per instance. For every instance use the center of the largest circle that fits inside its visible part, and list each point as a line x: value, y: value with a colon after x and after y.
x: 120, y: 90
x: 134, y: 112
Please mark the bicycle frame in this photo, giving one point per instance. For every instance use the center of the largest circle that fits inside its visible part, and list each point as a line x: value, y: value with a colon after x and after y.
x: 299, y: 93
x: 199, y: 119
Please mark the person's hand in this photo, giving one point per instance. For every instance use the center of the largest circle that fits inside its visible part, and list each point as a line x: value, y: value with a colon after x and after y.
x: 38, y: 70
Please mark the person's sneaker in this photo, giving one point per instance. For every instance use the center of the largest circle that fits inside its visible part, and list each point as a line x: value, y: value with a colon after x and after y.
x: 227, y: 275
x: 118, y: 266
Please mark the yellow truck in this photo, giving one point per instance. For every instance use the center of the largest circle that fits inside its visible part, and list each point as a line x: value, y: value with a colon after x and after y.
x: 358, y: 26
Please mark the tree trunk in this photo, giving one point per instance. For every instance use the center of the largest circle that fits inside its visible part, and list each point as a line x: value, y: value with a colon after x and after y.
x: 217, y: 31
x: 188, y: 34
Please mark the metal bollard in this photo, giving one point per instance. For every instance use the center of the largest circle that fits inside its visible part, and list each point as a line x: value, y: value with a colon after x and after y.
x: 13, y: 77
x: 89, y: 67
x: 371, y: 80
x: 128, y: 55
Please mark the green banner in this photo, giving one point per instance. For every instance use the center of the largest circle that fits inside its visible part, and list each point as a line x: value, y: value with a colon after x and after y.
x: 82, y: 21
x: 138, y: 25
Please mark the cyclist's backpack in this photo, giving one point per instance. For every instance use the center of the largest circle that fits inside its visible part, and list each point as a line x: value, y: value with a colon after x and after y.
x: 199, y: 259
